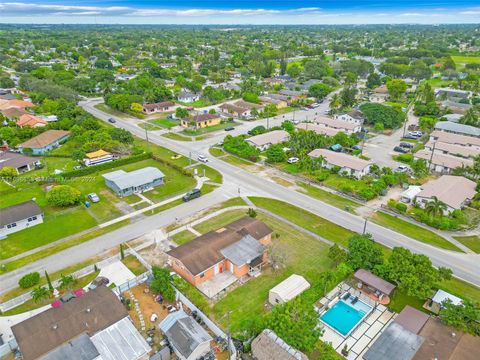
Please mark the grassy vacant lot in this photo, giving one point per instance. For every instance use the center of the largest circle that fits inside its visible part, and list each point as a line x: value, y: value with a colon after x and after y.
x: 209, y: 129
x: 105, y: 108
x: 135, y: 266
x: 175, y: 136
x: 466, y: 59
x: 412, y: 230
x: 305, y: 219
x: 211, y: 173
x: 472, y: 242
x: 330, y: 198
x: 220, y: 221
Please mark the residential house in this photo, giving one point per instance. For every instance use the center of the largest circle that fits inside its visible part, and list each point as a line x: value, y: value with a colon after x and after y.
x: 306, y: 85
x: 30, y: 121
x: 280, y: 104
x: 318, y: 129
x: 351, y: 165
x: 15, y: 103
x: 18, y: 217
x: 234, y: 111
x: 454, y: 191
x: 273, y: 81
x: 452, y: 149
x: 288, y: 289
x: 188, y: 97
x: 46, y: 141
x: 189, y: 340
x: 379, y: 94
x: 456, y: 128
x: 95, y: 325
x: 21, y: 163
x: 97, y: 157
x: 455, y: 107
x: 267, y: 346
x: 201, y: 120
x: 409, y: 195
x: 226, y: 255
x: 455, y: 139
x: 292, y: 95
x: 355, y: 117
x: 248, y: 105
x: 448, y: 93
x: 158, y: 107
x: 263, y: 141
x: 127, y: 183
x: 13, y: 113
x: 347, y: 127
x: 442, y: 163
x: 452, y: 117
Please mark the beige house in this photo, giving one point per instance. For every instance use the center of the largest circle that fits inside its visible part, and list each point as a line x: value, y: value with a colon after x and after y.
x: 319, y: 129
x: 454, y: 191
x: 201, y: 120
x: 349, y: 164
x: 456, y: 139
x: 347, y: 127
x: 263, y: 141
x: 280, y: 104
x: 452, y: 149
x: 159, y: 107
x: 442, y: 163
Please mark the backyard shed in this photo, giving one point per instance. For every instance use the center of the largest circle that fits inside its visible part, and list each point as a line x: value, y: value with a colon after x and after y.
x: 288, y: 289
x: 371, y: 284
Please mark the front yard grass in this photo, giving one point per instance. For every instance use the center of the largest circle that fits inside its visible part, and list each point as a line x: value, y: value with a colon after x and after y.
x: 177, y: 137
x: 183, y: 237
x: 411, y: 230
x: 220, y: 221
x: 216, y: 151
x: 135, y: 266
x: 305, y: 219
x: 209, y: 129
x: 303, y: 255
x: 211, y: 173
x: 330, y: 198
x: 472, y: 242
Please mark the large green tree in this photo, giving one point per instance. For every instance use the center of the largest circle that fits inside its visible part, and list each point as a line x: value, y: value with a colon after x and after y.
x: 162, y: 283
x: 363, y: 252
x: 396, y: 89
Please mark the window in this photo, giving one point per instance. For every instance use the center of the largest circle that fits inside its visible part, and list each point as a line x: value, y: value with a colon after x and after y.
x: 202, y: 275
x: 12, y: 225
x: 33, y: 218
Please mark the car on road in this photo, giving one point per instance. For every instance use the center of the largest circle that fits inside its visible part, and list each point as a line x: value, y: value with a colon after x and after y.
x: 406, y: 145
x: 230, y: 128
x: 293, y: 160
x: 93, y: 197
x: 193, y: 194
x: 202, y: 158
x: 400, y: 149
x: 402, y: 169
x: 112, y: 120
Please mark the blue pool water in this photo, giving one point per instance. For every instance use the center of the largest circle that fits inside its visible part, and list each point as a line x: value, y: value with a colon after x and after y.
x: 344, y: 316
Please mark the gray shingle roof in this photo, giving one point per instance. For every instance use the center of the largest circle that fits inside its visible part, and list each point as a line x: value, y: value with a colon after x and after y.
x: 457, y: 128
x: 134, y: 178
x: 243, y: 251
x: 19, y: 212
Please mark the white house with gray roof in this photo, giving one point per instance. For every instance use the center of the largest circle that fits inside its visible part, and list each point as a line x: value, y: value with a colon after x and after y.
x: 18, y: 217
x: 352, y: 165
x: 456, y: 128
x: 127, y: 183
x: 188, y: 339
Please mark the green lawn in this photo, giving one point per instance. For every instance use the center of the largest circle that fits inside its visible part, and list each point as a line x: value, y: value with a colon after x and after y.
x: 399, y: 300
x: 164, y: 123
x: 211, y: 173
x: 209, y: 129
x: 305, y: 219
x: 461, y: 289
x: 175, y: 136
x: 105, y: 108
x: 414, y: 231
x: 220, y: 221
x: 303, y: 255
x: 135, y: 266
x: 330, y: 198
x: 231, y: 159
x: 466, y: 59
x: 472, y: 242
x: 215, y: 151
x: 183, y: 237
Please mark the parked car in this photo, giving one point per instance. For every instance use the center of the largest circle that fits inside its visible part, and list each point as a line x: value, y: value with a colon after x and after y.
x: 296, y: 122
x: 193, y: 194
x: 410, y: 137
x: 402, y: 169
x: 400, y: 149
x: 112, y: 120
x: 202, y: 158
x: 93, y: 197
x: 406, y: 145
x: 230, y: 128
x: 292, y: 160
x: 415, y: 134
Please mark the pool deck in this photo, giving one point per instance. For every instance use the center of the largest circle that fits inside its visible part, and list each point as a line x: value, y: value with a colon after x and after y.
x: 359, y: 340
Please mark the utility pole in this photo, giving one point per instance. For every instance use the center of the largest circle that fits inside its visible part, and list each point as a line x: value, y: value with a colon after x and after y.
x: 365, y: 226
x: 189, y: 158
x: 431, y: 156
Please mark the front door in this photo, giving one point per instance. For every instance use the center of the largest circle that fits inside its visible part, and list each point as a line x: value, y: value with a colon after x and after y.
x: 216, y: 269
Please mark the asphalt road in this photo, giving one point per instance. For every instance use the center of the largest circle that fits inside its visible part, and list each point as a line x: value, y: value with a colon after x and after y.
x: 238, y: 181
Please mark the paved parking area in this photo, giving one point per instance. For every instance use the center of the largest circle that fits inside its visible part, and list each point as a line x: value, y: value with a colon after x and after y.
x: 117, y: 273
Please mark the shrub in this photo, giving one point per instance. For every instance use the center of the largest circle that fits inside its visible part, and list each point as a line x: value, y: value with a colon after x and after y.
x: 404, y: 158
x: 63, y: 195
x: 322, y: 176
x: 238, y: 146
x: 29, y: 280
x: 401, y: 207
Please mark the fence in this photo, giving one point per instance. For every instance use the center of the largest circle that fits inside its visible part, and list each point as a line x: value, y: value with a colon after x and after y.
x: 140, y: 279
x: 10, y: 304
x: 211, y: 325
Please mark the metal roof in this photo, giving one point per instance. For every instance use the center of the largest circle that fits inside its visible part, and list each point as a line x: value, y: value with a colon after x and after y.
x: 457, y: 128
x: 441, y: 296
x: 80, y: 348
x: 291, y: 287
x: 243, y: 251
x: 134, y: 178
x: 19, y: 212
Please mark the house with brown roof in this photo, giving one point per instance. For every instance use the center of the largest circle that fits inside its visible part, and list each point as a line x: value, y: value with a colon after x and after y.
x: 372, y: 285
x: 18, y: 217
x: 15, y: 103
x: 13, y: 113
x: 30, y: 121
x: 280, y: 104
x: 452, y: 149
x: 263, y: 141
x: 217, y: 259
x: 349, y: 164
x: 235, y: 111
x: 440, y: 162
x: 201, y: 120
x: 454, y: 191
x: 21, y: 163
x: 318, y: 129
x: 158, y: 107
x: 348, y: 127
x: 268, y: 345
x: 379, y: 94
x: 44, y: 142
x: 455, y: 139
x: 95, y: 325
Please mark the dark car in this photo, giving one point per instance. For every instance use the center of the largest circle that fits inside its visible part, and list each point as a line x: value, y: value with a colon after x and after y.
x: 112, y: 120
x: 230, y: 128
x: 195, y: 193
x: 400, y: 149
x: 406, y: 145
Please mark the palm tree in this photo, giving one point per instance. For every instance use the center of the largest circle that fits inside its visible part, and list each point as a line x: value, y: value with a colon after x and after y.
x: 66, y: 281
x: 40, y: 293
x: 435, y: 207
x: 335, y: 102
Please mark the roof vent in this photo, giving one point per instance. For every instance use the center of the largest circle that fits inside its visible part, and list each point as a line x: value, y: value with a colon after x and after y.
x: 55, y: 326
x: 88, y: 310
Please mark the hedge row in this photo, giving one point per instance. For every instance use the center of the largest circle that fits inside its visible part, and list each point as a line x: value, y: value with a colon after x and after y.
x: 172, y: 165
x: 105, y: 166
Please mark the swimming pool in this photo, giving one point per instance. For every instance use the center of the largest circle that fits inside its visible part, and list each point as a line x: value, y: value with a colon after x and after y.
x: 345, y: 315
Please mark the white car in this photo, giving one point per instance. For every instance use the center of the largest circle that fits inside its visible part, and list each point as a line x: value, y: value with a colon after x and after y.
x: 402, y: 169
x: 202, y: 158
x: 93, y: 197
x: 296, y: 122
x: 292, y: 160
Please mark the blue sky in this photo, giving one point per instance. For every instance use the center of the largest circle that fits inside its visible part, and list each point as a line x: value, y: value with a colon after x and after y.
x: 240, y: 11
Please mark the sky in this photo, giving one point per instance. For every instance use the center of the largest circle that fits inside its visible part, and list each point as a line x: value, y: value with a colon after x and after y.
x: 240, y: 11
